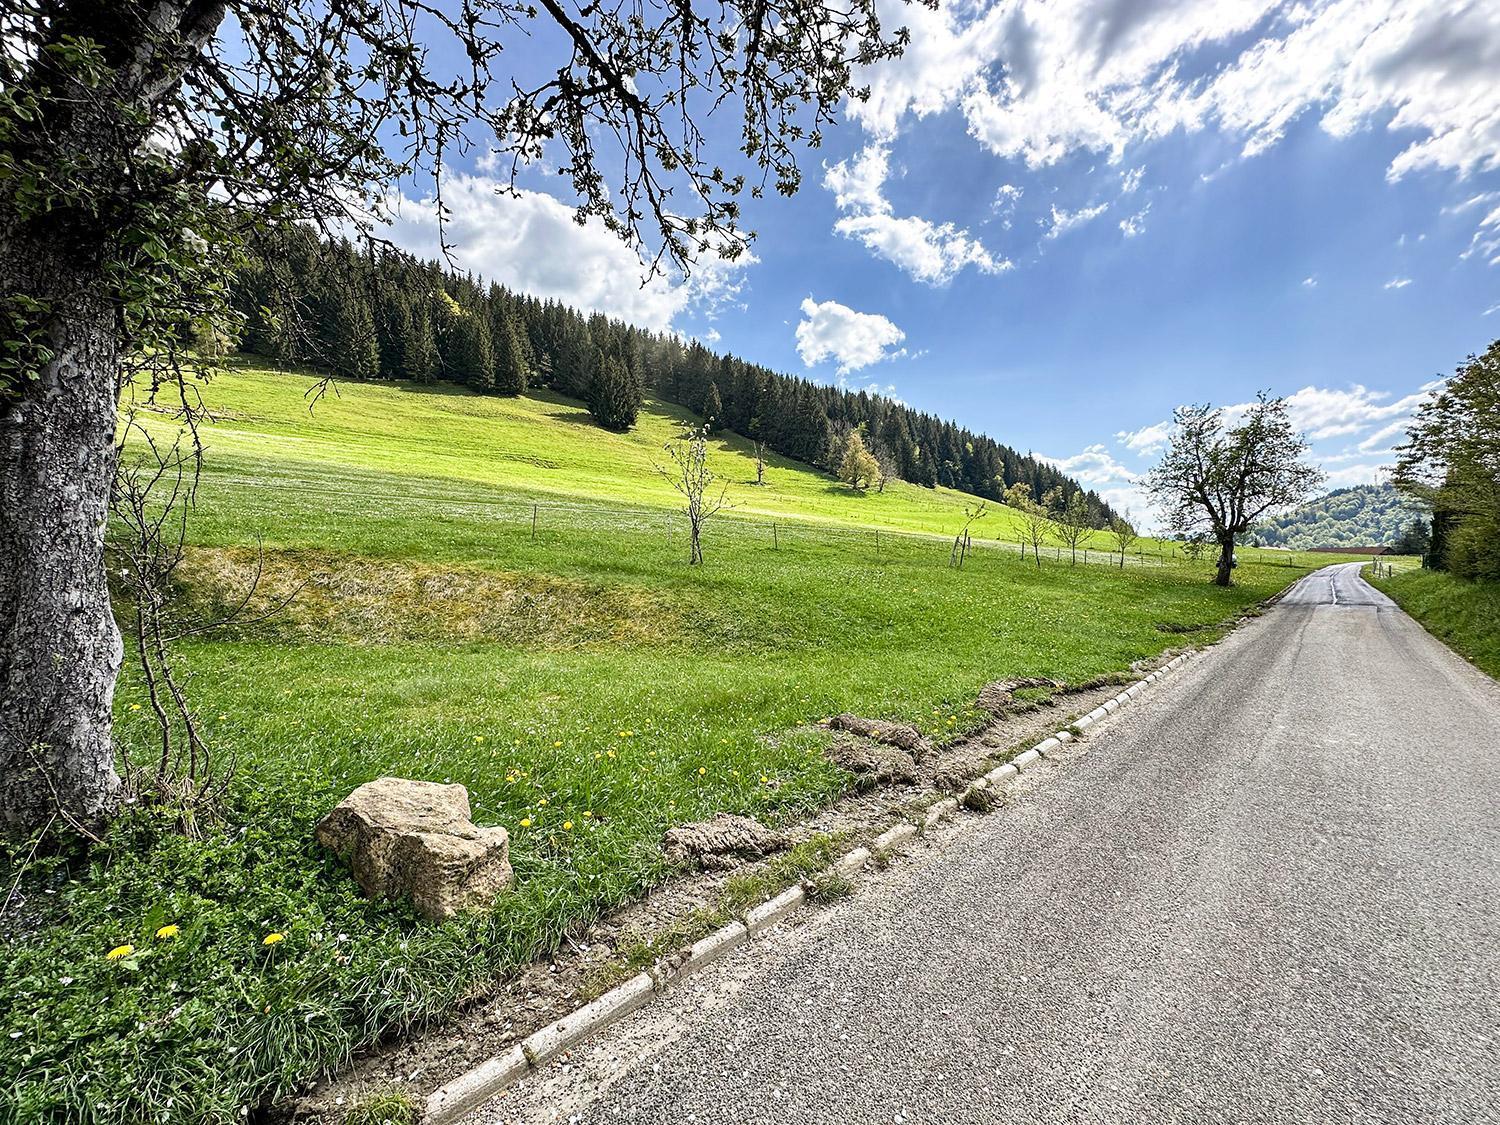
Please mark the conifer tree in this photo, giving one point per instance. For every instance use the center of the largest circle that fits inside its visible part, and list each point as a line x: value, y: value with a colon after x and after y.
x: 614, y: 395
x: 713, y: 409
x: 471, y: 360
x: 510, y: 362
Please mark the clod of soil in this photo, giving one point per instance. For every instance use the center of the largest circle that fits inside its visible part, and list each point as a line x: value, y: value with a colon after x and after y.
x: 720, y: 843
x: 899, y: 735
x: 874, y: 763
x: 1001, y: 694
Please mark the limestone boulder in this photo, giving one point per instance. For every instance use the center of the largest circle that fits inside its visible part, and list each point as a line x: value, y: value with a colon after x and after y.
x: 415, y: 839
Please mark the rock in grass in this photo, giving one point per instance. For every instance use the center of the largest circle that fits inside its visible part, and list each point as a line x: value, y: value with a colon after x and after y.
x: 899, y: 735
x: 1001, y: 694
x: 414, y: 839
x: 720, y: 842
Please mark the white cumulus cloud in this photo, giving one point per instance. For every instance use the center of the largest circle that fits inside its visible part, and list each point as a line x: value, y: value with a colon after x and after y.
x: 930, y: 252
x: 531, y: 242
x: 1397, y: 283
x: 829, y: 330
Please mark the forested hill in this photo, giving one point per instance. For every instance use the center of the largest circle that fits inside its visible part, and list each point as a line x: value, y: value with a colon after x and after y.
x: 386, y: 315
x: 1366, y: 515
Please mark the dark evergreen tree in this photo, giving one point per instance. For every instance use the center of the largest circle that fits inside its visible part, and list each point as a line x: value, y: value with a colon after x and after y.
x: 713, y: 409
x: 614, y: 395
x: 510, y: 359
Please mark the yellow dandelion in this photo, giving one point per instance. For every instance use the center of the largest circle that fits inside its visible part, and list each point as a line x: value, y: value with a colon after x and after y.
x: 479, y: 738
x: 273, y: 938
x: 135, y: 706
x: 119, y: 951
x: 567, y: 826
x: 587, y: 813
x: 701, y: 771
x: 168, y: 932
x: 542, y: 803
x: 610, y: 753
x: 557, y: 743
x: 526, y: 822
x: 764, y: 780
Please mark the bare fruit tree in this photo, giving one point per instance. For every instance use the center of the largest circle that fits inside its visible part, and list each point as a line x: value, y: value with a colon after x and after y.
x: 962, y: 542
x: 690, y: 475
x: 760, y: 462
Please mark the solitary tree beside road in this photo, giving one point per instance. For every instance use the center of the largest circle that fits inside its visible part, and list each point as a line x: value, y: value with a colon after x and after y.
x: 145, y: 143
x: 1216, y: 482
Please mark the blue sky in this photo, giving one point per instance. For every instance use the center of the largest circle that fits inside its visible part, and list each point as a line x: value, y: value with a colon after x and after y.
x: 1055, y: 222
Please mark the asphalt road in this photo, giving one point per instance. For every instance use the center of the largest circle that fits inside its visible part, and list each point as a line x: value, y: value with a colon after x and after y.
x: 1268, y: 891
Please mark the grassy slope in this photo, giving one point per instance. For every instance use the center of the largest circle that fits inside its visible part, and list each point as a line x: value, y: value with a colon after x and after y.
x: 599, y: 725
x: 1466, y: 615
x: 456, y: 446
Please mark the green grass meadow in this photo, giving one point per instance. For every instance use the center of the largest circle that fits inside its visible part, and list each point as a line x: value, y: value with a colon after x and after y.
x: 587, y: 686
x: 1463, y: 614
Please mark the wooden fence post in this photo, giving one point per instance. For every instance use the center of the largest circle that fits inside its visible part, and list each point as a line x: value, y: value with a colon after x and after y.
x: 533, y: 521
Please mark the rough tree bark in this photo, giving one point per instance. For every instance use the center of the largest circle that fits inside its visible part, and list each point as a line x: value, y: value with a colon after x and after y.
x: 60, y: 649
x: 1224, y: 567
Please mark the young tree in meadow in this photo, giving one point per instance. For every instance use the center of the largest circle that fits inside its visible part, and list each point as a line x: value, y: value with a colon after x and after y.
x: 858, y: 467
x: 1216, y: 481
x: 1036, y: 518
x: 148, y: 143
x: 1075, y: 523
x: 760, y: 462
x: 1122, y: 531
x: 691, y: 476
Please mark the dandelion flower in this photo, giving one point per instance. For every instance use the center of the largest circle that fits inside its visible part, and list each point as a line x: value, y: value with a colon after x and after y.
x: 526, y: 822
x: 587, y: 813
x: 567, y: 826
x: 542, y: 803
x: 557, y: 743
x: 168, y: 932
x: 701, y: 771
x: 135, y: 706
x: 764, y: 780
x: 479, y: 738
x: 273, y: 938
x: 119, y: 951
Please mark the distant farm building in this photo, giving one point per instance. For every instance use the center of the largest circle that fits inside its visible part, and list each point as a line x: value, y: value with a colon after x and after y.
x: 1353, y: 550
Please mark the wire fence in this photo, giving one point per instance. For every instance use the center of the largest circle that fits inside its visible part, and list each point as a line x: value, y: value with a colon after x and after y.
x: 542, y: 520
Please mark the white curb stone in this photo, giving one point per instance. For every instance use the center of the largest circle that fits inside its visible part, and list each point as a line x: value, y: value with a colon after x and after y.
x: 897, y: 834
x: 940, y: 809
x: 1026, y: 760
x: 768, y: 913
x: 1047, y: 745
x: 615, y: 1004
x: 853, y: 861
x: 1001, y: 774
x: 450, y: 1102
x: 707, y: 950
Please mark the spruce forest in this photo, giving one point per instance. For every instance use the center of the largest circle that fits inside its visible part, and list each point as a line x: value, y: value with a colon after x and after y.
x: 378, y: 313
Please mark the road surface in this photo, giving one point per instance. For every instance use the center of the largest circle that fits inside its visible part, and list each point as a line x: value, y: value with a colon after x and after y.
x: 1267, y: 891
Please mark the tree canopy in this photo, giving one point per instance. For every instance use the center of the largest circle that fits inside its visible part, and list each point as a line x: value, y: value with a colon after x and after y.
x: 1217, y: 480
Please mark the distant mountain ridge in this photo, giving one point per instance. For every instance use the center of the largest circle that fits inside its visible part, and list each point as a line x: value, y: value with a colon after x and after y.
x: 1366, y: 515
